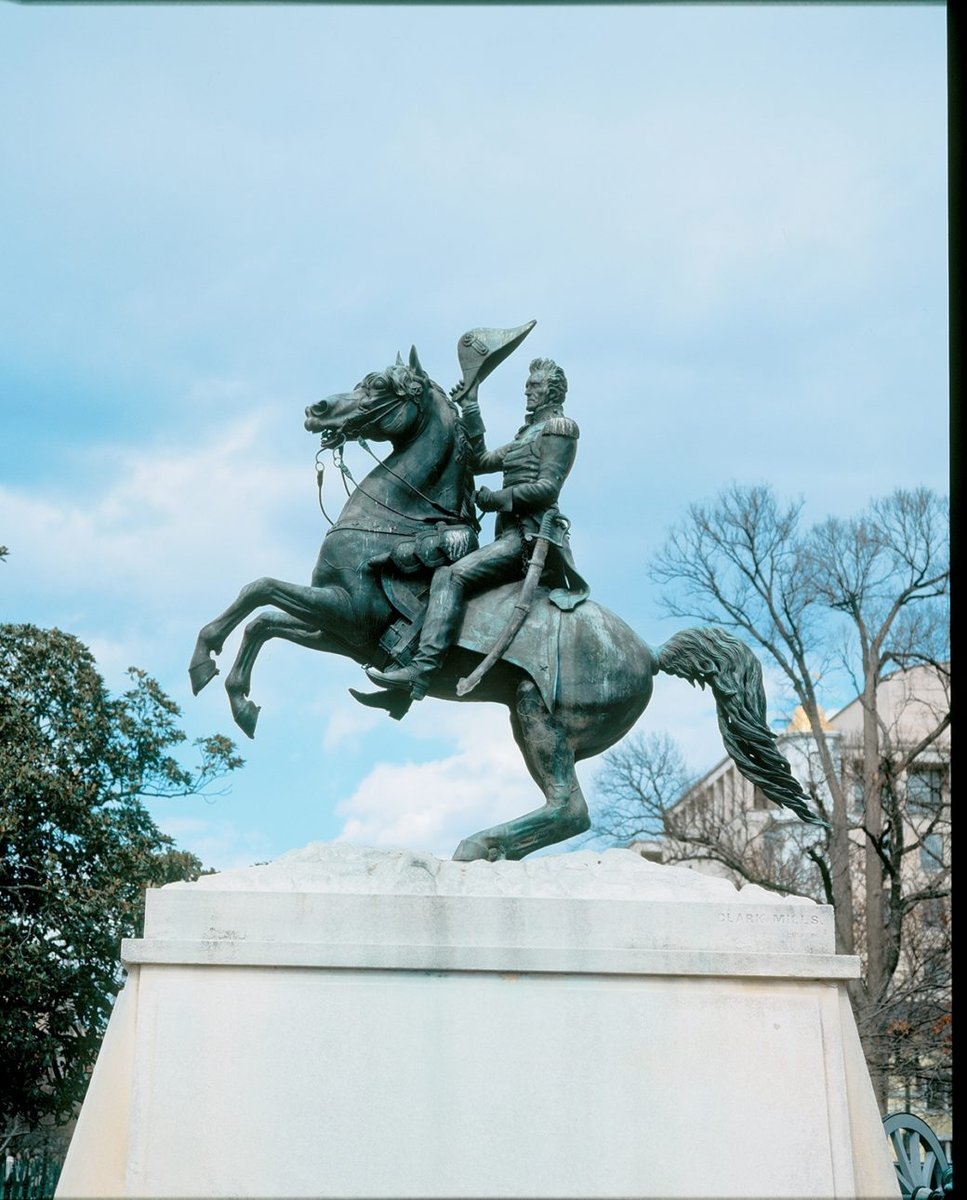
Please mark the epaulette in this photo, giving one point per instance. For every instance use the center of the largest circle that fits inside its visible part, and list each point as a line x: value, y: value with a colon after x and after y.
x: 563, y: 426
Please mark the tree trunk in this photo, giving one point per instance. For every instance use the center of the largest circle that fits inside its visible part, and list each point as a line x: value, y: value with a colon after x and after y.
x: 873, y: 882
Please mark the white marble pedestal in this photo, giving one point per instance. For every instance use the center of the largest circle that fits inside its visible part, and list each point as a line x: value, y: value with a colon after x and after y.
x: 361, y: 1023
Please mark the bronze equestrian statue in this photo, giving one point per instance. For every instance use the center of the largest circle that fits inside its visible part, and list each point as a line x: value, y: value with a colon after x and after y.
x: 535, y: 465
x: 573, y: 675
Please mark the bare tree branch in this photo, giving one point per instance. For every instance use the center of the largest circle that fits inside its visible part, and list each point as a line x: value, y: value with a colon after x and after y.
x: 870, y: 593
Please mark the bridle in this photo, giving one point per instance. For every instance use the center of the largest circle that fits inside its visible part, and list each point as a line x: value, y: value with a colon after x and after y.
x: 354, y: 430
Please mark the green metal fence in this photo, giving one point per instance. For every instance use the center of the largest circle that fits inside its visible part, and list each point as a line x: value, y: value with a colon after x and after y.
x: 29, y: 1177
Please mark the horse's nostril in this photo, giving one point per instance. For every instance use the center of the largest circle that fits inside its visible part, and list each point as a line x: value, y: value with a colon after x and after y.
x: 321, y: 408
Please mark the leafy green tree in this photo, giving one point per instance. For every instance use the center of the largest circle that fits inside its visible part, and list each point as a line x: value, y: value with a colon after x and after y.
x: 78, y: 847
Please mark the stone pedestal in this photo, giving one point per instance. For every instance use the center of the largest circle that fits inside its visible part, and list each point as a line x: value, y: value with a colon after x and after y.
x: 361, y: 1023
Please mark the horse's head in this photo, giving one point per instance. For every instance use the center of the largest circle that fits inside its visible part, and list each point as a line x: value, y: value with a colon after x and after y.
x: 386, y: 406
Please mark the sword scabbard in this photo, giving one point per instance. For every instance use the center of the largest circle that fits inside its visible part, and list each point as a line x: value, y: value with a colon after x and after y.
x: 517, y: 617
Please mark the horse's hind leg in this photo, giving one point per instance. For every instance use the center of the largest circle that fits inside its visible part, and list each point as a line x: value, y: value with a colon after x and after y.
x: 258, y: 631
x: 550, y: 760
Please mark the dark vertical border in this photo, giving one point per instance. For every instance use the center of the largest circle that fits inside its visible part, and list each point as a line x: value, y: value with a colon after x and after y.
x: 956, y: 37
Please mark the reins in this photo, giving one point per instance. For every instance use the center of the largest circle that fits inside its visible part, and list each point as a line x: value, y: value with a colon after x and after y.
x: 346, y: 474
x: 320, y: 476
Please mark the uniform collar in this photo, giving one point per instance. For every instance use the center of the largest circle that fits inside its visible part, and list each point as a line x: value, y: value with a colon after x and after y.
x: 540, y: 415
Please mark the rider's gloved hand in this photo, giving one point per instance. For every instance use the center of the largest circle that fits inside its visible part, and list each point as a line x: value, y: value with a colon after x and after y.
x: 468, y: 399
x: 488, y: 501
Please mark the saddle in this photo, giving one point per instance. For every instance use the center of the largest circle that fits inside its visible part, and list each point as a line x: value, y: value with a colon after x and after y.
x: 534, y: 648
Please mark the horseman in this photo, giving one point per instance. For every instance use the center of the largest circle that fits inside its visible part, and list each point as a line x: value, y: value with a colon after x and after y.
x: 534, y: 465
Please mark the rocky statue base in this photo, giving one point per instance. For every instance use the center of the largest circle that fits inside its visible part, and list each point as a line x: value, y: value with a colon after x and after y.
x: 361, y: 1023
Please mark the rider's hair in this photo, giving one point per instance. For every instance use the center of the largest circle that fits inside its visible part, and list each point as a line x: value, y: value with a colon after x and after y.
x: 556, y: 379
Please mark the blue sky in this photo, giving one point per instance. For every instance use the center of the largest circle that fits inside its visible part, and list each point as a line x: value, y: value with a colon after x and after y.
x: 729, y: 222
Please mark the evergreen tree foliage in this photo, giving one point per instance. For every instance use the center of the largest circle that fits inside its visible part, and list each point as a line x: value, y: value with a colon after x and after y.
x: 78, y: 847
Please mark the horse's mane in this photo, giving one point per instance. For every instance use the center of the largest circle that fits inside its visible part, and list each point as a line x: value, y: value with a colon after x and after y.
x: 400, y: 379
x: 396, y: 380
x: 403, y: 381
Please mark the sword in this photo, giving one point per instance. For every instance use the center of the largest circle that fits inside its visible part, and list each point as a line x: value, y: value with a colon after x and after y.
x: 525, y: 598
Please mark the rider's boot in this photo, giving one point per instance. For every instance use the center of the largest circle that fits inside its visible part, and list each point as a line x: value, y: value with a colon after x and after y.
x: 439, y: 629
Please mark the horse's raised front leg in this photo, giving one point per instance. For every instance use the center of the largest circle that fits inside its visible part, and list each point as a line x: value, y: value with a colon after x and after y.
x: 550, y: 760
x: 258, y: 631
x: 317, y: 606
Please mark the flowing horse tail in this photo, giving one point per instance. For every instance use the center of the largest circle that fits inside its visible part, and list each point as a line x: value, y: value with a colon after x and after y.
x: 712, y: 656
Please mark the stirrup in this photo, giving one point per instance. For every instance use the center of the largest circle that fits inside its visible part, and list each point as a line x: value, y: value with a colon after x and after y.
x: 416, y: 687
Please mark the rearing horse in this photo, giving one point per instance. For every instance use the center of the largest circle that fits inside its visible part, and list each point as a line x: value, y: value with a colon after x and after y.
x: 574, y: 682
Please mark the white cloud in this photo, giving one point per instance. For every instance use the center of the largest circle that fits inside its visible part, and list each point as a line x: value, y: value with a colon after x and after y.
x: 433, y: 805
x: 161, y: 523
x: 348, y: 723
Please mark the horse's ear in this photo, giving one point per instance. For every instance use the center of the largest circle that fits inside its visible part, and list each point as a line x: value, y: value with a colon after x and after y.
x: 399, y: 359
x: 415, y: 361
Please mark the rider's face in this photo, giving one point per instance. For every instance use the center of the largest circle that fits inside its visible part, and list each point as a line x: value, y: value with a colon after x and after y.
x: 535, y: 391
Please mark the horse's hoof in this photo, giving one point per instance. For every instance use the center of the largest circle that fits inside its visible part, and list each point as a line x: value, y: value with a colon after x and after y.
x: 471, y: 849
x: 201, y: 673
x: 246, y: 716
